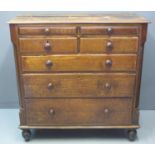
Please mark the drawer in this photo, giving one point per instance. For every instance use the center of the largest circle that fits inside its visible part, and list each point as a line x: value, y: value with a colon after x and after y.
x: 48, y: 45
x: 78, y: 85
x: 64, y: 63
x: 109, y: 30
x: 107, y: 112
x: 47, y: 30
x: 109, y: 45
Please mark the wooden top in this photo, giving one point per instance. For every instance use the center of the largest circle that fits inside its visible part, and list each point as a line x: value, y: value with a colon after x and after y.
x: 77, y: 18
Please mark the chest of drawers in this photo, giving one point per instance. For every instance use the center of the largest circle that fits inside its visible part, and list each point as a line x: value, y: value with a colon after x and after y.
x: 79, y: 72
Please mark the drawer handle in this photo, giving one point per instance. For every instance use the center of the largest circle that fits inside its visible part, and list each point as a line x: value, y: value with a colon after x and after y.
x: 106, y: 110
x: 48, y: 63
x: 50, y: 85
x: 108, y: 63
x: 109, y: 46
x: 108, y: 86
x: 46, y: 30
x: 51, y: 111
x: 47, y: 46
x: 109, y: 30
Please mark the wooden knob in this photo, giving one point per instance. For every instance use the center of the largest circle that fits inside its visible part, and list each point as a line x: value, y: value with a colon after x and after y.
x: 46, y: 30
x: 51, y: 111
x: 109, y: 30
x: 106, y: 110
x: 107, y: 86
x: 108, y: 63
x: 109, y: 45
x: 50, y: 86
x: 48, y: 63
x: 47, y: 46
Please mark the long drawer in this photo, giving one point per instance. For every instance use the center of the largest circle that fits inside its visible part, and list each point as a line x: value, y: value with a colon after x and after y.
x: 48, y: 45
x: 78, y: 85
x: 65, y: 63
x: 78, y: 112
x: 109, y: 44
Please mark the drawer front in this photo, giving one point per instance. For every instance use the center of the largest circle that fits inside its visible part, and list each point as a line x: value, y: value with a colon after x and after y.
x: 109, y: 30
x: 78, y: 85
x: 78, y: 112
x: 64, y: 63
x: 48, y: 45
x: 47, y: 30
x: 109, y: 45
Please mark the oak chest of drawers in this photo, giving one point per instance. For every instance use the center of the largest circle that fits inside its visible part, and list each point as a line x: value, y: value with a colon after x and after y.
x: 79, y: 72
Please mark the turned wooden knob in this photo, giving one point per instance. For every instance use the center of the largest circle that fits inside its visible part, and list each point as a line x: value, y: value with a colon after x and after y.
x: 109, y: 45
x: 108, y: 86
x: 47, y: 46
x: 109, y: 30
x: 51, y: 111
x: 48, y: 63
x: 108, y: 63
x: 46, y: 30
x: 50, y: 86
x: 106, y: 110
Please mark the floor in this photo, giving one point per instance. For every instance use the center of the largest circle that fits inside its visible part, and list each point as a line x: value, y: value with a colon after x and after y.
x: 10, y: 133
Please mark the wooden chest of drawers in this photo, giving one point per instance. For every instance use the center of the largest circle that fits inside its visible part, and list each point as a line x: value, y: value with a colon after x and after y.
x: 79, y: 72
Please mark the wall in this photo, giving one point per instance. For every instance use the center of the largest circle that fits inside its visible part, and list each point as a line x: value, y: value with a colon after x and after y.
x: 8, y: 88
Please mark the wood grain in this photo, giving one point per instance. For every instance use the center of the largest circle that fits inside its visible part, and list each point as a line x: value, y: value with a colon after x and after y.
x: 99, y: 44
x: 88, y: 63
x: 79, y: 85
x: 79, y: 90
x: 78, y: 18
x: 79, y: 112
x: 53, y: 30
x: 58, y: 45
x: 103, y: 30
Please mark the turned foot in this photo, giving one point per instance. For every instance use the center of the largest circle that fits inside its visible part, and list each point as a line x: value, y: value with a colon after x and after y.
x: 132, y: 134
x: 26, y: 134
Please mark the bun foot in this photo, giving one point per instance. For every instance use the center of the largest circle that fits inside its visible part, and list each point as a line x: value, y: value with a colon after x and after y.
x: 132, y: 134
x: 26, y: 135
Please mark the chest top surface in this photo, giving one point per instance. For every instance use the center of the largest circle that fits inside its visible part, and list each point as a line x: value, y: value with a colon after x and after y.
x: 79, y: 18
